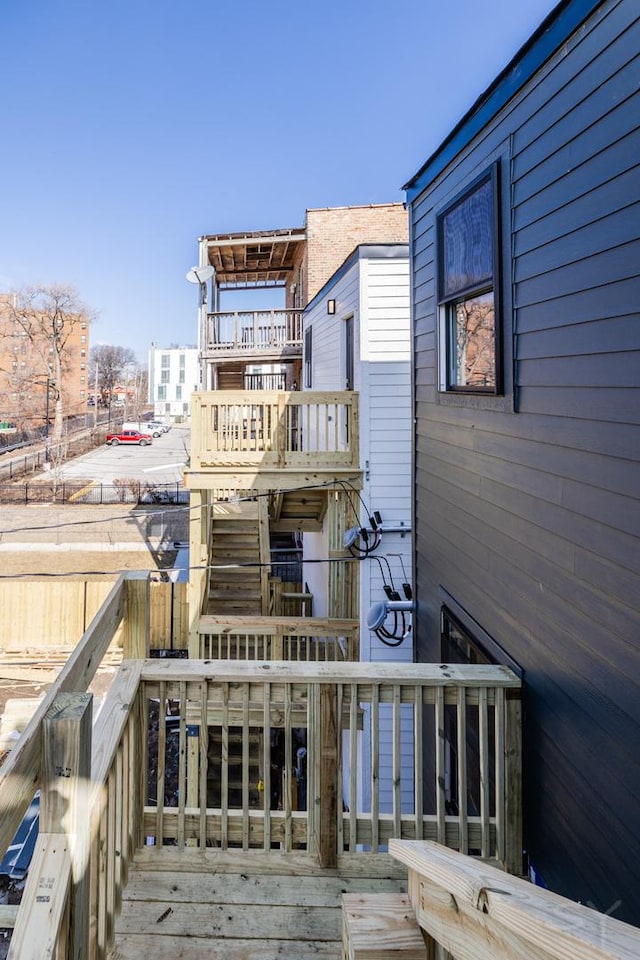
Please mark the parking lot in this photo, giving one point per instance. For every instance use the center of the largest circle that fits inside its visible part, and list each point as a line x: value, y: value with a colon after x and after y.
x: 163, y: 461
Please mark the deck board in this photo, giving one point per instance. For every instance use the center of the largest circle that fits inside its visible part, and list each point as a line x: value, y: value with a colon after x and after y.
x: 240, y: 905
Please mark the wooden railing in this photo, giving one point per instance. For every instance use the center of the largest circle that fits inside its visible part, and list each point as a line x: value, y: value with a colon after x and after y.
x: 293, y: 639
x: 298, y: 430
x: 475, y: 912
x: 248, y: 332
x: 333, y: 758
x: 419, y: 751
x: 287, y: 600
x: 87, y: 800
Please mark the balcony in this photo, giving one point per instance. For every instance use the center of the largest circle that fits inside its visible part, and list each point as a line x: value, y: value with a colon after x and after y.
x: 259, y: 336
x: 220, y: 808
x: 262, y: 439
x: 247, y: 768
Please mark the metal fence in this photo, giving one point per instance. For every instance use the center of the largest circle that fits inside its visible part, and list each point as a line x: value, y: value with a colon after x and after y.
x: 124, y: 491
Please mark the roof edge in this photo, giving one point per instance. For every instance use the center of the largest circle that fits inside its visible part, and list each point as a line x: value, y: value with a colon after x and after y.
x: 554, y: 30
x: 373, y: 251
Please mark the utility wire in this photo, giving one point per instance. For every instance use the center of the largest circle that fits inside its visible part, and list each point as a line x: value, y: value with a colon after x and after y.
x: 174, y: 509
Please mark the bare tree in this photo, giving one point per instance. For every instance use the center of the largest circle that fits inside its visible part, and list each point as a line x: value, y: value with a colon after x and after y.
x: 108, y: 364
x: 47, y: 318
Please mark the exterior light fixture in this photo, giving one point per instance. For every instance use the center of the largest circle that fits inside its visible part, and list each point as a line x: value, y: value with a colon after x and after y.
x: 331, y: 307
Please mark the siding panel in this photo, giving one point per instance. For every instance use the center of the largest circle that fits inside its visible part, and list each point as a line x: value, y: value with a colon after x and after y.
x: 530, y: 519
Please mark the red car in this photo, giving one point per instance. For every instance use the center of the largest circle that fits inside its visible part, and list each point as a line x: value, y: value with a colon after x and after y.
x: 129, y: 436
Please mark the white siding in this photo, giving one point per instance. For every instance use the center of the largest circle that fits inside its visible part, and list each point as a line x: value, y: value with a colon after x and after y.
x: 385, y: 378
x: 375, y: 292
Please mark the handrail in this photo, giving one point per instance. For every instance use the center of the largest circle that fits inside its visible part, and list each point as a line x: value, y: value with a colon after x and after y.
x: 20, y: 774
x: 253, y: 331
x: 474, y: 910
x: 426, y: 725
x: 282, y: 638
x: 88, y: 869
x: 303, y: 430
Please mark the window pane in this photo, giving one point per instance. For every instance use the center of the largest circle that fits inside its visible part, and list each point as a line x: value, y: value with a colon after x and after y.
x: 467, y: 232
x: 472, y: 343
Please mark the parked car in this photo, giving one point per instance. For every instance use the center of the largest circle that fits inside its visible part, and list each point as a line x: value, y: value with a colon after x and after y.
x: 129, y: 436
x: 144, y: 426
x: 157, y: 425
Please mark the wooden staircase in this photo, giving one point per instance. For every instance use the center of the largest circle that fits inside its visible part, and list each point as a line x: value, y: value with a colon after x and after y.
x: 237, y: 541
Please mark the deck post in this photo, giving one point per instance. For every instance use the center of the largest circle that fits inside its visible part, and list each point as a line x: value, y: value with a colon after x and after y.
x: 513, y: 782
x: 328, y: 833
x: 136, y: 623
x: 64, y: 805
x: 281, y: 430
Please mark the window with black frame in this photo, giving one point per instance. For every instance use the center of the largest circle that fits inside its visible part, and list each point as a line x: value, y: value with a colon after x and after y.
x: 468, y: 289
x: 308, y: 358
x: 459, y: 646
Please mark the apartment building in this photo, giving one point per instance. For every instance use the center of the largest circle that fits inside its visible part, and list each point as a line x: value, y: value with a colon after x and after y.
x: 173, y: 377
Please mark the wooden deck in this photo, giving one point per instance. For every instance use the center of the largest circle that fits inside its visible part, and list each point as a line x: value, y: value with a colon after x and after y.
x: 235, y: 905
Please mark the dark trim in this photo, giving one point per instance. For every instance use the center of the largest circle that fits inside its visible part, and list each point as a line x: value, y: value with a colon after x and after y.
x: 554, y: 30
x: 491, y: 174
x: 364, y: 251
x: 465, y: 619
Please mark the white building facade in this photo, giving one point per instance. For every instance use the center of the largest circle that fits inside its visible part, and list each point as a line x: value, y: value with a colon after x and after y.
x: 356, y: 336
x: 173, y: 377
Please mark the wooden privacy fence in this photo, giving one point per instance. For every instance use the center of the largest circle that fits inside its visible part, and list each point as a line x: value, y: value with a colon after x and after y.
x: 335, y: 757
x: 274, y: 429
x: 475, y: 912
x: 287, y: 638
x: 55, y: 613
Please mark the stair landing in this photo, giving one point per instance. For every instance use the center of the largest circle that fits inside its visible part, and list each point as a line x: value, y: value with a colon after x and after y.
x: 239, y: 905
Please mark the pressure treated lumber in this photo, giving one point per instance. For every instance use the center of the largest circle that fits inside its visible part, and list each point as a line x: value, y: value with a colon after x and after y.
x: 45, y: 899
x: 477, y: 912
x: 64, y: 803
x: 239, y: 905
x: 380, y: 926
x: 20, y: 773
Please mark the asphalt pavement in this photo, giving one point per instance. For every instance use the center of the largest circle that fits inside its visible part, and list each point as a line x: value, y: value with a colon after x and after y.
x: 163, y: 461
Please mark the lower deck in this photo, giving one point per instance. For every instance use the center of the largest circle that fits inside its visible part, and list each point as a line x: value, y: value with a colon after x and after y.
x: 234, y: 905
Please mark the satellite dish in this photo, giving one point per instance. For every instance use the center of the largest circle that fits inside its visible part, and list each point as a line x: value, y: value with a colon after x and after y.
x: 200, y: 274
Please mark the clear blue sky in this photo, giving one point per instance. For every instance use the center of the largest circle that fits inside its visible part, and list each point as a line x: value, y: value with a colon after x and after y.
x: 132, y: 127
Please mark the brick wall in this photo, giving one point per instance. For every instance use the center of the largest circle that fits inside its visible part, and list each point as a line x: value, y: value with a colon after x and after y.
x: 334, y: 232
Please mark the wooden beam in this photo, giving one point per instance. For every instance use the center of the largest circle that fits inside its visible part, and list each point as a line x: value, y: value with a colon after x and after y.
x: 64, y: 801
x: 44, y: 901
x: 425, y: 674
x: 513, y: 782
x: 20, y: 772
x: 303, y: 626
x: 8, y: 915
x: 137, y: 618
x: 328, y: 839
x: 478, y: 912
x: 379, y: 925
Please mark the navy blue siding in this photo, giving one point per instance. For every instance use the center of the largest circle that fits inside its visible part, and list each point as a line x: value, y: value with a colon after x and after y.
x: 526, y: 507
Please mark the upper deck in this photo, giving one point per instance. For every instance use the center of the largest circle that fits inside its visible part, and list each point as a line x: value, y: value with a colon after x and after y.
x: 262, y: 439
